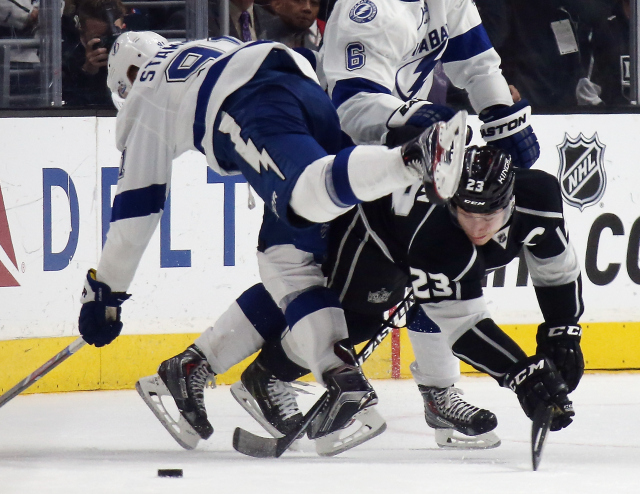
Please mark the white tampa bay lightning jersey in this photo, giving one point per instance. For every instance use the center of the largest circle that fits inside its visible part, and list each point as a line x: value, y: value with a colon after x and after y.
x: 171, y: 109
x: 378, y: 54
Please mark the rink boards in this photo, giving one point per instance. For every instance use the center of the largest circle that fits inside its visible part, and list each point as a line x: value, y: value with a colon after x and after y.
x: 57, y: 181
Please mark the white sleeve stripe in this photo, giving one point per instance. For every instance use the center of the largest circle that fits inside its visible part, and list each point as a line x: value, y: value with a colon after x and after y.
x: 374, y: 236
x: 545, y: 214
x: 488, y: 340
x: 562, y: 237
x: 353, y: 266
x: 466, y: 269
x: 420, y: 226
x: 478, y: 366
x: 342, y: 242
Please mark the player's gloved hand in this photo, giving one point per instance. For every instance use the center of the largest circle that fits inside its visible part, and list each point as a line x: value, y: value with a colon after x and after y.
x: 99, y: 322
x: 509, y: 128
x: 561, y: 344
x: 419, y: 113
x: 537, y: 382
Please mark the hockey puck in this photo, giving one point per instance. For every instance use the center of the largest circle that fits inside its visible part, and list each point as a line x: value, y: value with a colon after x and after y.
x: 170, y: 472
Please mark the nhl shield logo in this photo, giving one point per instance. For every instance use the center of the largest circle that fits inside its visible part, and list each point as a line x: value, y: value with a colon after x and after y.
x: 581, y: 175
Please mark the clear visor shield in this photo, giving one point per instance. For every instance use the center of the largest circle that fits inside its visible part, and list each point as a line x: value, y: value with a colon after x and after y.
x: 481, y: 227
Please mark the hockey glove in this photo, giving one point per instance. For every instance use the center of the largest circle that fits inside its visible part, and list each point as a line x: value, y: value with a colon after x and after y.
x: 509, y: 128
x: 536, y: 381
x: 561, y: 344
x: 99, y: 322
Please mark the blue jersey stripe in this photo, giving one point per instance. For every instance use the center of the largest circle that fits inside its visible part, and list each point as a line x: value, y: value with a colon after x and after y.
x: 339, y: 187
x: 202, y: 102
x: 347, y: 88
x: 309, y: 302
x: 139, y: 202
x: 467, y: 45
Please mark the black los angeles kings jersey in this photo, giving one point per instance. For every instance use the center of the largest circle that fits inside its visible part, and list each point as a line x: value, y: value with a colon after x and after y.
x: 403, y: 240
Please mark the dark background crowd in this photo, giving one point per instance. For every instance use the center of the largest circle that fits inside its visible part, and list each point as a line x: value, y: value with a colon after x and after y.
x: 558, y: 54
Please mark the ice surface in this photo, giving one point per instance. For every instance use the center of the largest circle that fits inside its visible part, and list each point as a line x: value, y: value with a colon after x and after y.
x: 110, y: 442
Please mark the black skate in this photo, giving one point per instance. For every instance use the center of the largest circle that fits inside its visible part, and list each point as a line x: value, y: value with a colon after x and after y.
x: 184, y: 378
x: 350, y: 406
x: 447, y: 413
x: 438, y: 155
x: 268, y: 400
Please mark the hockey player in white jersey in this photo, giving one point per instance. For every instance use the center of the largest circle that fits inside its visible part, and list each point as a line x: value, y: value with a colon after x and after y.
x: 255, y: 109
x: 378, y: 58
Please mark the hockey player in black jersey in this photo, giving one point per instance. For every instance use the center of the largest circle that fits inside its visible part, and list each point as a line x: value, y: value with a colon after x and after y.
x: 445, y: 253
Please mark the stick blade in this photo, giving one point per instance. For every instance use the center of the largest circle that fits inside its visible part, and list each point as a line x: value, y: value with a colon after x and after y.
x: 249, y: 444
x: 539, y: 431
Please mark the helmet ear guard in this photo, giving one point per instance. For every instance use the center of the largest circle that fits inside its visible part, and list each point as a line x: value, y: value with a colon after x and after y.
x: 129, y: 49
x: 487, y: 182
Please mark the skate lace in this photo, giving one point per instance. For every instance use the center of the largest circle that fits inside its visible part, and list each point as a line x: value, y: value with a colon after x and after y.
x: 452, y: 406
x: 283, y: 397
x: 416, y: 165
x: 200, y: 378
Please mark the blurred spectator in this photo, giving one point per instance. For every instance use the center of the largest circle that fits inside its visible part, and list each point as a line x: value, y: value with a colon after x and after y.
x: 541, y: 42
x: 86, y: 40
x: 247, y: 22
x: 609, y: 78
x: 296, y: 23
x: 19, y: 19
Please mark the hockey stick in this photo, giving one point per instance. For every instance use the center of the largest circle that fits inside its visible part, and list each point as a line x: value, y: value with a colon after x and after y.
x: 49, y: 365
x: 539, y: 428
x: 250, y: 444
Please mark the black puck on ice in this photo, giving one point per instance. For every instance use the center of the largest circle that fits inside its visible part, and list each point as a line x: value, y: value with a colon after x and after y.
x: 170, y: 472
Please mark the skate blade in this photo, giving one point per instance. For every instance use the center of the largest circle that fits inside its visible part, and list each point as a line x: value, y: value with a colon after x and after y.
x: 151, y: 389
x: 365, y: 425
x: 451, y: 439
x: 450, y: 153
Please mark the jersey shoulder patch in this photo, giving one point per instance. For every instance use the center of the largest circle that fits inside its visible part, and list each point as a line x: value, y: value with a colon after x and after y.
x: 363, y: 11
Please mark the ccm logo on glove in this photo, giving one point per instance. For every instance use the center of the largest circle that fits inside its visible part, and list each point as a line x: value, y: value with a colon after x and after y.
x: 518, y: 379
x: 565, y: 331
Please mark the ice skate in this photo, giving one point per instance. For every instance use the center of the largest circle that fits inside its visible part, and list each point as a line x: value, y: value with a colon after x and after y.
x: 348, y: 418
x: 458, y: 424
x: 184, y: 378
x: 268, y: 400
x: 438, y: 155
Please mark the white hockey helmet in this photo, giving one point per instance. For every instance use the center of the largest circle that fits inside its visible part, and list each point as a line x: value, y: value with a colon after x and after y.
x: 130, y: 48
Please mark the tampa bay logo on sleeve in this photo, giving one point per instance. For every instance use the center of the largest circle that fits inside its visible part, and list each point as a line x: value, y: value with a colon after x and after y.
x: 7, y: 253
x: 581, y: 174
x: 363, y: 11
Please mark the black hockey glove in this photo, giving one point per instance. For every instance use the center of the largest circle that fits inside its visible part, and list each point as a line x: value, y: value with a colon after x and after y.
x: 99, y: 322
x: 536, y: 381
x: 509, y: 128
x: 561, y: 344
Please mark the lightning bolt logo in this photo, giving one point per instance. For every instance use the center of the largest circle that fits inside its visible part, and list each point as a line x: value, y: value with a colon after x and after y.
x: 248, y: 151
x: 6, y: 248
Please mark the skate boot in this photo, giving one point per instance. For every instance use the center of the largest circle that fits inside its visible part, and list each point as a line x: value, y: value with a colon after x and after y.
x: 447, y: 413
x: 182, y: 379
x: 437, y: 155
x: 349, y: 417
x: 186, y: 376
x: 268, y: 400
